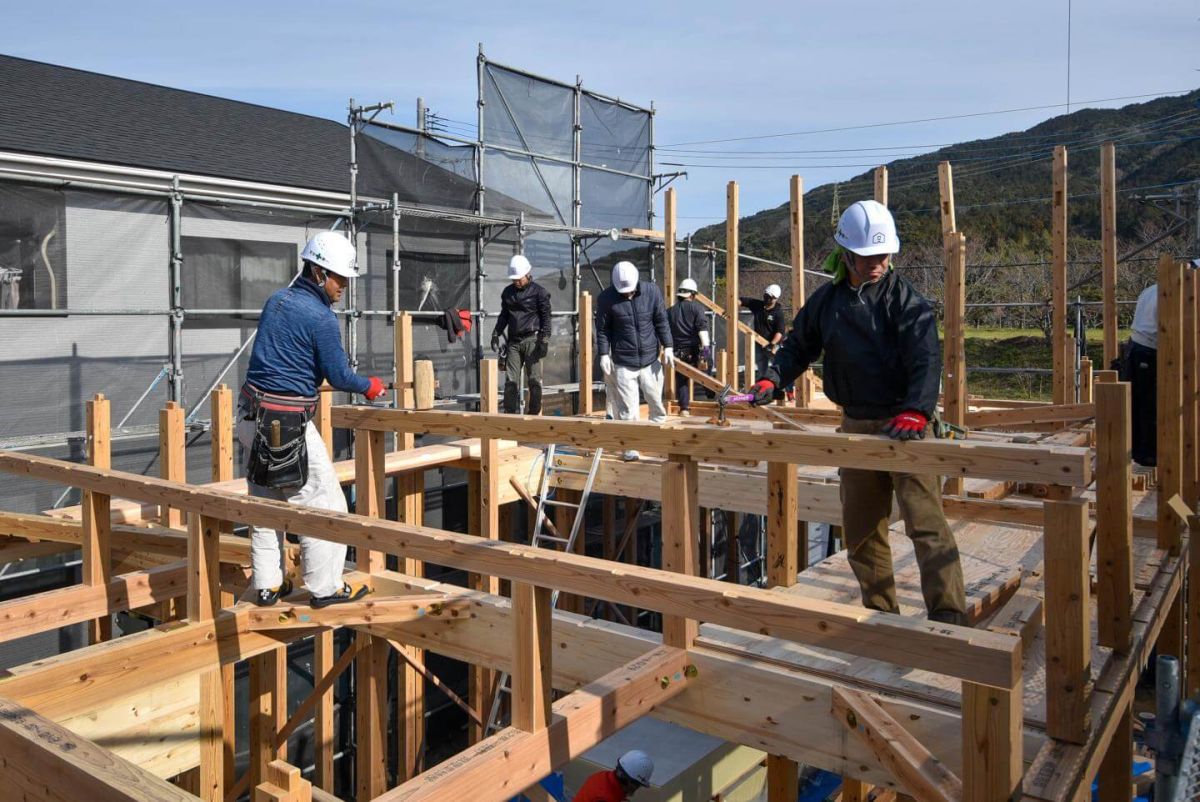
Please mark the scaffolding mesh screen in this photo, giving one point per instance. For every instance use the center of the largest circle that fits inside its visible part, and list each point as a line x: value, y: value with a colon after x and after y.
x: 527, y: 113
x: 613, y: 135
x: 33, y: 239
x: 418, y: 168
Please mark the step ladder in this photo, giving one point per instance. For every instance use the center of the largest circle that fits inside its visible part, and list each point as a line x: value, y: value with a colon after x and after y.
x: 542, y: 539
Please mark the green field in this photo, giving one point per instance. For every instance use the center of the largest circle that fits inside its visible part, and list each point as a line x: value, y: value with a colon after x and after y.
x: 1024, y: 348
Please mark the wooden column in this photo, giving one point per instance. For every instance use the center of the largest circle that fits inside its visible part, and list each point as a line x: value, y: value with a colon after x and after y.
x: 1108, y: 247
x: 96, y: 557
x: 1192, y: 626
x: 268, y: 710
x: 783, y: 563
x: 1189, y: 478
x: 946, y: 208
x: 203, y: 604
x: 171, y: 456
x: 370, y: 668
x: 1115, y: 778
x: 586, y: 335
x: 480, y: 680
x: 1086, y: 380
x: 1063, y: 366
x: 731, y: 283
x: 221, y: 439
x: 751, y: 364
x: 991, y: 742
x: 680, y: 527
x: 804, y: 384
x: 1068, y: 631
x: 881, y: 184
x: 1114, y: 516
x: 670, y: 284
x: 323, y: 647
x: 1170, y: 398
x: 531, y: 688
x: 954, y: 353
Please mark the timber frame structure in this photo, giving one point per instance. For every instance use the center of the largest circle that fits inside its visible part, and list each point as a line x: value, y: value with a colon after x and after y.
x: 1031, y: 702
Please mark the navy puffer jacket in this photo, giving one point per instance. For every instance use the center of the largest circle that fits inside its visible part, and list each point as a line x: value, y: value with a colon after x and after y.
x: 631, y: 329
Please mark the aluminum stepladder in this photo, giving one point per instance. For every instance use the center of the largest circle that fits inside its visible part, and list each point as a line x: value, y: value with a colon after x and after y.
x: 542, y: 539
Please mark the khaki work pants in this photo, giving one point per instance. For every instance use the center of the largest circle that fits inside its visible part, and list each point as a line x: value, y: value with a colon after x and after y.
x: 866, y: 508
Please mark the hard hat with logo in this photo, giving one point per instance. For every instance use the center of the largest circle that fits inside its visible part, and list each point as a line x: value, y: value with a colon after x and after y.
x: 688, y: 286
x: 637, y: 766
x: 773, y: 290
x: 518, y: 267
x: 867, y: 229
x: 333, y: 252
x: 625, y: 277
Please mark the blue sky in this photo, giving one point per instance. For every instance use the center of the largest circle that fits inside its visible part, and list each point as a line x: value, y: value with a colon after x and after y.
x: 714, y: 70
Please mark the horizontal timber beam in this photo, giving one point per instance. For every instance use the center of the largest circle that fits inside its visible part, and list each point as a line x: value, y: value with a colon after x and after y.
x: 983, y: 657
x: 1058, y: 465
x: 390, y: 610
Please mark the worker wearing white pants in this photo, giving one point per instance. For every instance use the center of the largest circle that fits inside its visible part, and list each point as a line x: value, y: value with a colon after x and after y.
x: 322, y: 561
x: 623, y: 385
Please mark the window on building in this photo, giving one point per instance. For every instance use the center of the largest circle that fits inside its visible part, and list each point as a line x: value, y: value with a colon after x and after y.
x: 232, y: 274
x: 33, y: 250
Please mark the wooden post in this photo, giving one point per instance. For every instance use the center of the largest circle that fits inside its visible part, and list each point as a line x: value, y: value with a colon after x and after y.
x: 804, y: 386
x: 586, y: 324
x: 268, y: 710
x: 531, y: 688
x: 171, y: 456
x: 1085, y: 380
x: 954, y: 353
x: 1114, y: 517
x: 783, y: 774
x: 1108, y: 247
x: 991, y: 742
x: 1058, y: 305
x: 751, y: 363
x: 203, y: 604
x: 1068, y: 632
x: 424, y: 384
x: 370, y: 703
x: 1170, y: 398
x: 1192, y: 626
x: 731, y: 283
x: 96, y: 568
x: 680, y: 525
x: 323, y: 647
x: 669, y: 282
x: 221, y: 439
x: 946, y: 207
x: 1116, y: 770
x: 881, y: 184
x: 481, y: 681
x: 1189, y: 478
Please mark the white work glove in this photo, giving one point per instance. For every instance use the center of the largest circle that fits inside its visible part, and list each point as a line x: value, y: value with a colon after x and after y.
x: 668, y: 357
x: 606, y: 364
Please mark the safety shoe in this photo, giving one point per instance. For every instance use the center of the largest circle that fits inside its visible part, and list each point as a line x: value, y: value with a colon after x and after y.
x: 683, y: 413
x: 949, y: 617
x: 265, y: 597
x: 348, y: 593
x: 631, y: 456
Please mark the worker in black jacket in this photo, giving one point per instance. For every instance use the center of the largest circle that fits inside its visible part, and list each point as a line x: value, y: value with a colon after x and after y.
x: 768, y: 324
x: 525, y: 320
x: 882, y: 365
x: 689, y: 332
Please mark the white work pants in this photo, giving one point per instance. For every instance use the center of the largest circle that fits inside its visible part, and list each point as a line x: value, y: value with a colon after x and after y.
x: 322, y: 561
x: 623, y: 385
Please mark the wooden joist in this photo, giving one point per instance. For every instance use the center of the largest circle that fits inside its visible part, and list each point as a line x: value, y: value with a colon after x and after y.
x: 390, y: 610
x: 1053, y: 413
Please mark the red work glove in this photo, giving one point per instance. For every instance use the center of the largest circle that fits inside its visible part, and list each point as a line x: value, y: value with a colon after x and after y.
x: 763, y: 390
x: 908, y: 425
x: 375, y: 390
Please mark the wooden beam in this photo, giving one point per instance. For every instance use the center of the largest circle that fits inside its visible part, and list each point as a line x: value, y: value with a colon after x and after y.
x: 946, y: 198
x: 804, y: 387
x: 1116, y: 771
x: 323, y: 646
x: 881, y: 184
x: 991, y: 742
x: 531, y: 679
x: 914, y: 768
x: 1108, y: 248
x: 783, y: 564
x: 1114, y: 516
x: 172, y: 457
x: 268, y: 710
x: 1190, y: 376
x: 1170, y: 397
x: 1068, y: 634
x: 968, y: 654
x: 388, y: 610
x: 587, y: 325
x: 987, y: 418
x: 680, y: 528
x: 481, y: 682
x: 46, y: 761
x: 719, y: 311
x: 371, y: 668
x: 203, y: 604
x: 321, y: 689
x: 669, y: 278
x: 96, y: 559
x: 731, y: 282
x: 283, y: 784
x: 954, y: 353
x: 221, y: 440
x: 699, y: 377
x: 1192, y: 634
x: 1058, y: 270
x: 1086, y: 380
x: 500, y: 767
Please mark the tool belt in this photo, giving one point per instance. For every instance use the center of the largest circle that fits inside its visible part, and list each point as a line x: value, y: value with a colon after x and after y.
x: 279, y: 454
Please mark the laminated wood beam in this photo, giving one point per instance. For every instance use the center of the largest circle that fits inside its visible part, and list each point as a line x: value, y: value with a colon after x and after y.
x: 389, y: 610
x: 96, y: 557
x: 43, y: 761
x: 1062, y: 465
x: 500, y: 767
x: 967, y: 654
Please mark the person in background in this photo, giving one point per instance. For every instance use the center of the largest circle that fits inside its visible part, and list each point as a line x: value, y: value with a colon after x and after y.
x: 1139, y: 367
x: 768, y: 324
x: 525, y: 321
x: 632, y: 772
x: 689, y: 333
x: 631, y: 325
x: 882, y: 366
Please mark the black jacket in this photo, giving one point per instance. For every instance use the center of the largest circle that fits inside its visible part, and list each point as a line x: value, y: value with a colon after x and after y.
x: 880, y: 341
x: 767, y: 322
x: 687, y: 320
x: 525, y: 311
x: 631, y: 329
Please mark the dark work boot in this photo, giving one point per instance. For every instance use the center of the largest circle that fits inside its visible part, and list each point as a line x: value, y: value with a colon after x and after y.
x: 348, y: 593
x: 512, y: 398
x: 534, y: 407
x: 268, y: 596
x: 949, y: 617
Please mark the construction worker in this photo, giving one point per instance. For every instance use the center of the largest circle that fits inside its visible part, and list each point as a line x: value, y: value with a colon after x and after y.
x: 525, y: 321
x: 632, y: 772
x: 631, y: 324
x: 297, y: 347
x: 768, y: 324
x: 689, y: 334
x: 882, y: 365
x: 1139, y: 367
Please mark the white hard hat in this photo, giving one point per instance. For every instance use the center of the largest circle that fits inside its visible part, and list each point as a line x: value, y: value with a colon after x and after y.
x: 773, y: 290
x: 518, y: 267
x: 637, y: 765
x: 333, y: 252
x: 867, y: 229
x: 625, y: 277
x: 688, y: 285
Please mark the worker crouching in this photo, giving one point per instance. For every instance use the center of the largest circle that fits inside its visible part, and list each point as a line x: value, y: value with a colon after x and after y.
x: 882, y: 366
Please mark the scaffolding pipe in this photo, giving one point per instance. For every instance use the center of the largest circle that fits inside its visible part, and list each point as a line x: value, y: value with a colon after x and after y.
x: 175, y: 322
